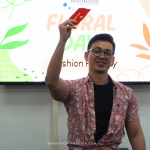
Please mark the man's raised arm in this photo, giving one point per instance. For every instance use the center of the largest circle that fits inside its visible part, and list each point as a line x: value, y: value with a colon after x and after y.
x: 55, y: 84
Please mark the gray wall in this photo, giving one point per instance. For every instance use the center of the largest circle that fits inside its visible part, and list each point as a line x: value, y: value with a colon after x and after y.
x: 26, y: 117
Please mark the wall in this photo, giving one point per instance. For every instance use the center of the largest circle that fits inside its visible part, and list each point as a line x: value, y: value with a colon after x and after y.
x: 26, y: 117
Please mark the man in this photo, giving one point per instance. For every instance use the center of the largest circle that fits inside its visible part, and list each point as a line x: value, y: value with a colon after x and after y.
x: 98, y: 108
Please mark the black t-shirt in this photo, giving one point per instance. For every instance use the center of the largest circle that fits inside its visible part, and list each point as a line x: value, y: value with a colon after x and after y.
x: 103, y: 96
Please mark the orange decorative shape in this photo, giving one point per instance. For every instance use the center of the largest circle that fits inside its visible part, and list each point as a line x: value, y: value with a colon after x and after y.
x: 145, y: 6
x: 143, y: 56
x: 139, y: 47
x: 146, y: 34
x: 124, y: 75
x: 128, y: 76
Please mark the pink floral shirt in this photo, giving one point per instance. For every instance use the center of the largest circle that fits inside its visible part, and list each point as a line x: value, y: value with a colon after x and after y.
x: 79, y: 103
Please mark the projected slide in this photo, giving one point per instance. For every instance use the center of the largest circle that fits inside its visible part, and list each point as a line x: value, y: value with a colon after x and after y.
x: 29, y: 35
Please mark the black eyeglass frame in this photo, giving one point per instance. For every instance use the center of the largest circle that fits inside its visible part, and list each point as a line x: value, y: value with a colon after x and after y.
x: 101, y: 53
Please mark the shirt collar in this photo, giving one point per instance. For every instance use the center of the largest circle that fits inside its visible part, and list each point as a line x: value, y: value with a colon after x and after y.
x: 88, y: 79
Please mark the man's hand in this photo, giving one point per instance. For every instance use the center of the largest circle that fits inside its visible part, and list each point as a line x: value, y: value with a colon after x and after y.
x: 65, y: 29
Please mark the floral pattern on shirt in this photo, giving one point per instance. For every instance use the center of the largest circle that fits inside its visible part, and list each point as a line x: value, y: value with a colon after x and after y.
x: 79, y: 104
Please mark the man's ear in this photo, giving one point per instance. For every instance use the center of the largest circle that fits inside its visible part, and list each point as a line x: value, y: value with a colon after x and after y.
x: 86, y: 56
x: 113, y: 60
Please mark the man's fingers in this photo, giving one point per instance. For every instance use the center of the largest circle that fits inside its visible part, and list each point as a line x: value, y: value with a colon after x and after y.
x: 69, y: 22
x: 69, y: 27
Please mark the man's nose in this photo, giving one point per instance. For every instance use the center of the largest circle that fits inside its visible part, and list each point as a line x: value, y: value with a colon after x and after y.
x: 102, y: 55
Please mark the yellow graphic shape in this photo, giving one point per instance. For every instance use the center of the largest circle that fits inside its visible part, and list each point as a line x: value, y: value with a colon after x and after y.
x: 146, y: 34
x: 146, y: 6
x: 143, y: 75
x: 128, y: 73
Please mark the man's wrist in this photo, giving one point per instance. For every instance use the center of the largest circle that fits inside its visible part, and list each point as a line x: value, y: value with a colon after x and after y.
x: 62, y: 42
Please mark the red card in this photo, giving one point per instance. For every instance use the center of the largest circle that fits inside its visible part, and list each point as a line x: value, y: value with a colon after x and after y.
x: 79, y: 15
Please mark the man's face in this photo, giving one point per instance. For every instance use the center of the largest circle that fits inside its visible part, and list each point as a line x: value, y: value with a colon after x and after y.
x: 99, y: 64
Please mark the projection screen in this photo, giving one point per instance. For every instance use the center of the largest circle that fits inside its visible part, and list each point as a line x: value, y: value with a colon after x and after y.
x: 29, y: 35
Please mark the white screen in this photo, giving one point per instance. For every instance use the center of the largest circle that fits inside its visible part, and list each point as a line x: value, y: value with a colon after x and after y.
x: 36, y: 25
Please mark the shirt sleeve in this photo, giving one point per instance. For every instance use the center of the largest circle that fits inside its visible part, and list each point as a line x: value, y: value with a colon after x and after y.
x: 70, y: 91
x: 132, y: 111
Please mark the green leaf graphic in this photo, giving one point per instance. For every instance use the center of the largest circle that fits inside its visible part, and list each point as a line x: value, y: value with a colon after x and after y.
x: 15, y: 30
x: 12, y: 4
x: 11, y: 73
x: 13, y: 44
x: 70, y: 44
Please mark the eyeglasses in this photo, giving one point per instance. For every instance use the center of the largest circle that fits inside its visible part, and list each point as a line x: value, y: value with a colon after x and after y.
x: 98, y: 52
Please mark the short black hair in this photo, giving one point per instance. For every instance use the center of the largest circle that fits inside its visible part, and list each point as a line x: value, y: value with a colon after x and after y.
x: 102, y: 37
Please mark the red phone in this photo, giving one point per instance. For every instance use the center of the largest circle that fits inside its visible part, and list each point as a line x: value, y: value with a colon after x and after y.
x: 79, y: 15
